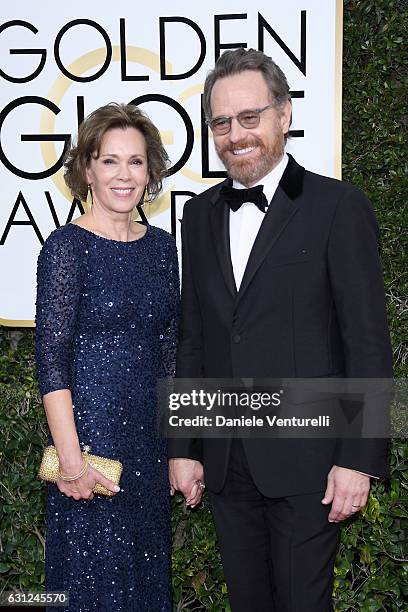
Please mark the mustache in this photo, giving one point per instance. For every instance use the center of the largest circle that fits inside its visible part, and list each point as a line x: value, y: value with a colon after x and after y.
x: 241, y: 144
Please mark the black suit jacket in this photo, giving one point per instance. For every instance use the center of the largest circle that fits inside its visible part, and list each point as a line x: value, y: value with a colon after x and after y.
x: 311, y: 304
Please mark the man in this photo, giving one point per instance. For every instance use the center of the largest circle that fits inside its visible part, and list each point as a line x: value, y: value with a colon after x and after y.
x: 289, y: 286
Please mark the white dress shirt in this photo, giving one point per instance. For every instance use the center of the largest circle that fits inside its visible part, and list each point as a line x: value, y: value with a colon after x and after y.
x: 245, y: 222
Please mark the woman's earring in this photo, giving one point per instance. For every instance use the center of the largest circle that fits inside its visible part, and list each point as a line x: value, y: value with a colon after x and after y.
x: 89, y: 199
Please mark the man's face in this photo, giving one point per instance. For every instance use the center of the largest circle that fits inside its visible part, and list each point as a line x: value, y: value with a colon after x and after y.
x: 249, y: 154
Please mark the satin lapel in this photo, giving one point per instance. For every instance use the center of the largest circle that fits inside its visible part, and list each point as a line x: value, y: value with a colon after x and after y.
x: 280, y: 212
x: 219, y: 218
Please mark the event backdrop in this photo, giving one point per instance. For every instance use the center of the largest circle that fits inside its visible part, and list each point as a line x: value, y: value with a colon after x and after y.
x: 60, y: 62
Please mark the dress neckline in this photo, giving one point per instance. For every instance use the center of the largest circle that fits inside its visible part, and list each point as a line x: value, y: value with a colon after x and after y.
x: 111, y: 239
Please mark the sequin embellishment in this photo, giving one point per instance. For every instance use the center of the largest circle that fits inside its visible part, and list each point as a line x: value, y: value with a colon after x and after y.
x: 106, y: 330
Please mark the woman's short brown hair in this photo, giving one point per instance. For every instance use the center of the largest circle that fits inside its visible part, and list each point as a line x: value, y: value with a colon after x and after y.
x: 90, y: 134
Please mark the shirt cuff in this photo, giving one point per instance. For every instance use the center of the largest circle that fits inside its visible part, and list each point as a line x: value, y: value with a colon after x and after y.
x: 364, y: 474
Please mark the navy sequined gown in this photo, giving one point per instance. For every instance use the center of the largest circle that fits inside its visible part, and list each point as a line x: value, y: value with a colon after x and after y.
x: 106, y: 330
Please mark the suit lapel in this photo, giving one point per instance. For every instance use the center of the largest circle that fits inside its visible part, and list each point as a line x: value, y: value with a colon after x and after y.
x: 280, y: 211
x: 219, y: 219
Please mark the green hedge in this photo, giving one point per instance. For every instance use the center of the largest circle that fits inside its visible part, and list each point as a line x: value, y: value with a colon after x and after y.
x: 371, y: 572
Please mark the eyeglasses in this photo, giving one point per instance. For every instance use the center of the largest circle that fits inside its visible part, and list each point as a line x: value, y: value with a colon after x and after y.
x: 248, y: 119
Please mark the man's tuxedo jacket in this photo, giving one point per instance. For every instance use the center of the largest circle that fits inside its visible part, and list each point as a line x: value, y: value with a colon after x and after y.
x: 311, y: 304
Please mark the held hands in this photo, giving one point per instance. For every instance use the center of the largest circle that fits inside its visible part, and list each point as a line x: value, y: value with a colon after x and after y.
x: 187, y: 476
x: 347, y: 491
x: 82, y: 488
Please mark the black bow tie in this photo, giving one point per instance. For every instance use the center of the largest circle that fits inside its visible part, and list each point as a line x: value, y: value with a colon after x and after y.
x: 236, y: 197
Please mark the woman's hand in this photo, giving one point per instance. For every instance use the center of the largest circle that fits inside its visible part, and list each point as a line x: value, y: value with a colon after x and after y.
x: 82, y: 488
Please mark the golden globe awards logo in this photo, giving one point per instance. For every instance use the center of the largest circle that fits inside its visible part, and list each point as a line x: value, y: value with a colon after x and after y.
x: 58, y: 66
x: 99, y: 61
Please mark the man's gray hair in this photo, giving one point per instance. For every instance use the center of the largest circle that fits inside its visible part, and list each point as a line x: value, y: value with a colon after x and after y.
x: 238, y: 60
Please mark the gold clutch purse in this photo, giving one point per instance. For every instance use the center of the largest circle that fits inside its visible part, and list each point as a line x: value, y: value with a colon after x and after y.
x: 110, y: 468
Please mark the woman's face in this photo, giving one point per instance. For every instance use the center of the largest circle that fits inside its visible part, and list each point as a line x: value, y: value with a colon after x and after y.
x: 120, y: 174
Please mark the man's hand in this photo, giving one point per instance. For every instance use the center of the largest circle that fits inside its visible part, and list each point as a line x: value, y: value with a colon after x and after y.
x: 187, y: 476
x: 347, y: 491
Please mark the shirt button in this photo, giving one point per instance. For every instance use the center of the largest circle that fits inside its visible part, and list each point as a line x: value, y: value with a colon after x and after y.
x: 236, y: 338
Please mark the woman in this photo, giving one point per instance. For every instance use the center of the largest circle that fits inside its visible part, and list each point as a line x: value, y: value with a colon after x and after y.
x: 106, y: 322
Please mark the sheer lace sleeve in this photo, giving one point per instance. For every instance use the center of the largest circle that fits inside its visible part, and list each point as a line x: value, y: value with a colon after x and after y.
x: 169, y: 336
x: 58, y: 295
